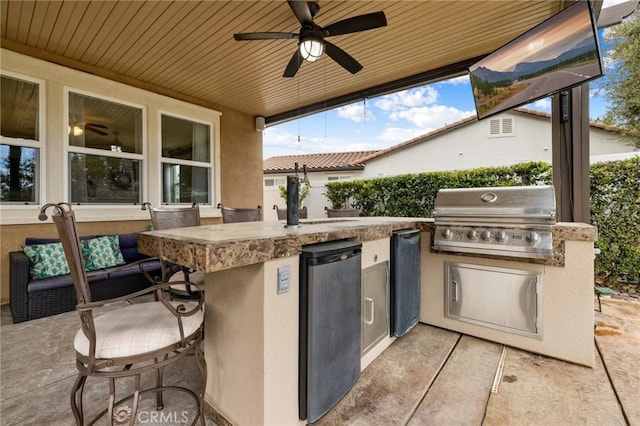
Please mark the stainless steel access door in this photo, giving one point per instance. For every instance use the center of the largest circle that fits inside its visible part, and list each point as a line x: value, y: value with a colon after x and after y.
x: 501, y: 298
x: 375, y: 305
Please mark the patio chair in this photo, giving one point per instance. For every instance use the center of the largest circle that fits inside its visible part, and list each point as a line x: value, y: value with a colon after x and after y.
x: 230, y: 214
x: 167, y: 218
x: 282, y: 213
x: 128, y: 340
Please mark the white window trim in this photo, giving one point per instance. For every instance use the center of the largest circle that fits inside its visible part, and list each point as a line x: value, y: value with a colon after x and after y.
x: 101, y: 152
x: 212, y: 164
x: 53, y: 134
x: 40, y: 144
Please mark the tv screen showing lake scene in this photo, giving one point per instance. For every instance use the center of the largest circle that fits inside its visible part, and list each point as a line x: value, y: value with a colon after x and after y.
x: 560, y: 53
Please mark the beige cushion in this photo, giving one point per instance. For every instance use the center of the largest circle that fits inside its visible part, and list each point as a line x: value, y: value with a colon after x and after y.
x: 195, y: 277
x: 137, y: 329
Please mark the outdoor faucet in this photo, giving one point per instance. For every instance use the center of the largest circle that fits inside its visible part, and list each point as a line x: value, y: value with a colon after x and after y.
x: 293, y: 196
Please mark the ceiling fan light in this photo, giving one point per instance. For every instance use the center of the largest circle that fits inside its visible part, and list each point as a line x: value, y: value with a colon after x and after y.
x: 75, y: 130
x: 311, y: 49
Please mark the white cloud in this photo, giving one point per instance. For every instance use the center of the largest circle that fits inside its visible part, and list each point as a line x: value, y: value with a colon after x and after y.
x: 356, y: 112
x: 608, y: 62
x: 425, y: 119
x: 407, y: 98
x: 542, y: 105
x: 280, y: 142
x: 456, y: 81
x: 395, y: 135
x: 432, y: 117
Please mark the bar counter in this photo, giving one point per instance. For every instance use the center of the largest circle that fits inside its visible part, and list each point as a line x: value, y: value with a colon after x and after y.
x: 251, y: 331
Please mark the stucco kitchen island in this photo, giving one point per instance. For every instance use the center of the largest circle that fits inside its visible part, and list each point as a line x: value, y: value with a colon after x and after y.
x: 251, y: 331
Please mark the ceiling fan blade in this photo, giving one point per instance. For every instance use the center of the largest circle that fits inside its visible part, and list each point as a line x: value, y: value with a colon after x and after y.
x: 293, y: 65
x: 263, y: 36
x: 301, y: 10
x: 94, y: 130
x: 99, y: 126
x: 345, y: 60
x: 356, y: 24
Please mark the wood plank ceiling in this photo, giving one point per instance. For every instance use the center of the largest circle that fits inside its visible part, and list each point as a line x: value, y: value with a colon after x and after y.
x: 185, y: 49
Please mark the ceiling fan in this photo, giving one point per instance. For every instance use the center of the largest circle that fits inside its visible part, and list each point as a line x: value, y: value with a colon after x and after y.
x: 312, y: 36
x: 99, y: 129
x: 77, y: 128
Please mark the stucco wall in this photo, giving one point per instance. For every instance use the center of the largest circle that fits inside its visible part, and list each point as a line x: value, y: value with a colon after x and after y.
x: 237, y: 159
x: 241, y: 160
x: 471, y: 146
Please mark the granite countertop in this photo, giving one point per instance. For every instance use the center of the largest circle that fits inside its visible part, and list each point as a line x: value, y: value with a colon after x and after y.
x: 216, y: 247
x: 212, y: 248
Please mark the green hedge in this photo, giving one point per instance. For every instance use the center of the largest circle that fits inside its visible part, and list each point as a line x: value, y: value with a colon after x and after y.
x: 615, y: 210
x: 413, y: 195
x: 615, y: 202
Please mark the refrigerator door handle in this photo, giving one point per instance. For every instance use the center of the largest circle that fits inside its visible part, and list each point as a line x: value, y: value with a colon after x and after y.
x: 372, y: 303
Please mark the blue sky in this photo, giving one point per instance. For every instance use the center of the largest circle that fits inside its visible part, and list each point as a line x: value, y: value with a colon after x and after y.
x: 384, y: 121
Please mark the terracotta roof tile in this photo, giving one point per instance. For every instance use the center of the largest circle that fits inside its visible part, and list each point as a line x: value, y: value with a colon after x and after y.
x: 333, y: 161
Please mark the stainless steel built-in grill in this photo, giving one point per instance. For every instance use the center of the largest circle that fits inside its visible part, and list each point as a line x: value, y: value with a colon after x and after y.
x: 505, y: 221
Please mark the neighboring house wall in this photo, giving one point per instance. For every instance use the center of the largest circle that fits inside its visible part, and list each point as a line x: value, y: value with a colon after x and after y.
x: 471, y: 146
x: 502, y: 140
x: 237, y: 159
x: 316, y: 202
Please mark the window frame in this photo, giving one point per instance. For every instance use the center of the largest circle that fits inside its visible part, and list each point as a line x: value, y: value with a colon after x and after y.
x: 68, y: 148
x: 39, y: 144
x: 210, y: 165
x: 275, y: 183
x: 338, y: 178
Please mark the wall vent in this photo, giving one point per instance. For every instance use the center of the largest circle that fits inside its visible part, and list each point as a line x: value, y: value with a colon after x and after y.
x: 501, y: 127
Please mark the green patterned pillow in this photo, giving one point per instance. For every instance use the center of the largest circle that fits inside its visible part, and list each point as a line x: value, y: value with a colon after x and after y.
x: 105, y: 253
x: 47, y: 260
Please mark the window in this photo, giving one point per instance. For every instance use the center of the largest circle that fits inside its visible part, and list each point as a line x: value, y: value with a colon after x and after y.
x: 501, y: 127
x: 271, y: 182
x: 335, y: 178
x: 186, y: 161
x: 105, y: 151
x: 20, y: 129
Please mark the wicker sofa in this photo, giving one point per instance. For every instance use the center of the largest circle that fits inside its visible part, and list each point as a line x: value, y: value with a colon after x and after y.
x: 36, y: 298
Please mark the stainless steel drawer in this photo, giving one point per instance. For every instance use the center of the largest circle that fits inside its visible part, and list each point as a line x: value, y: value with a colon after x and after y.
x: 501, y: 298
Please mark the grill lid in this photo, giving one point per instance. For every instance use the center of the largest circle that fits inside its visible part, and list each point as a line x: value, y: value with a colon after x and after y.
x: 517, y: 204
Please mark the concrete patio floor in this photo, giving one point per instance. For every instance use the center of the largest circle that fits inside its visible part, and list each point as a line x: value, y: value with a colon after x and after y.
x: 429, y: 377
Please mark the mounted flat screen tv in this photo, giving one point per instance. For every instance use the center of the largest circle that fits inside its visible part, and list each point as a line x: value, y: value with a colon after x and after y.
x: 556, y: 55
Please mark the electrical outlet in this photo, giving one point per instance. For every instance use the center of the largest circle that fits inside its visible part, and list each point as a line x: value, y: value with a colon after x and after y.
x: 284, y: 279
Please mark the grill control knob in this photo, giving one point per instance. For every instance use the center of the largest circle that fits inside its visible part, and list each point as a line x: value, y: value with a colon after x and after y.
x: 447, y: 234
x: 472, y: 234
x: 486, y: 235
x: 533, y: 238
x: 501, y: 236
